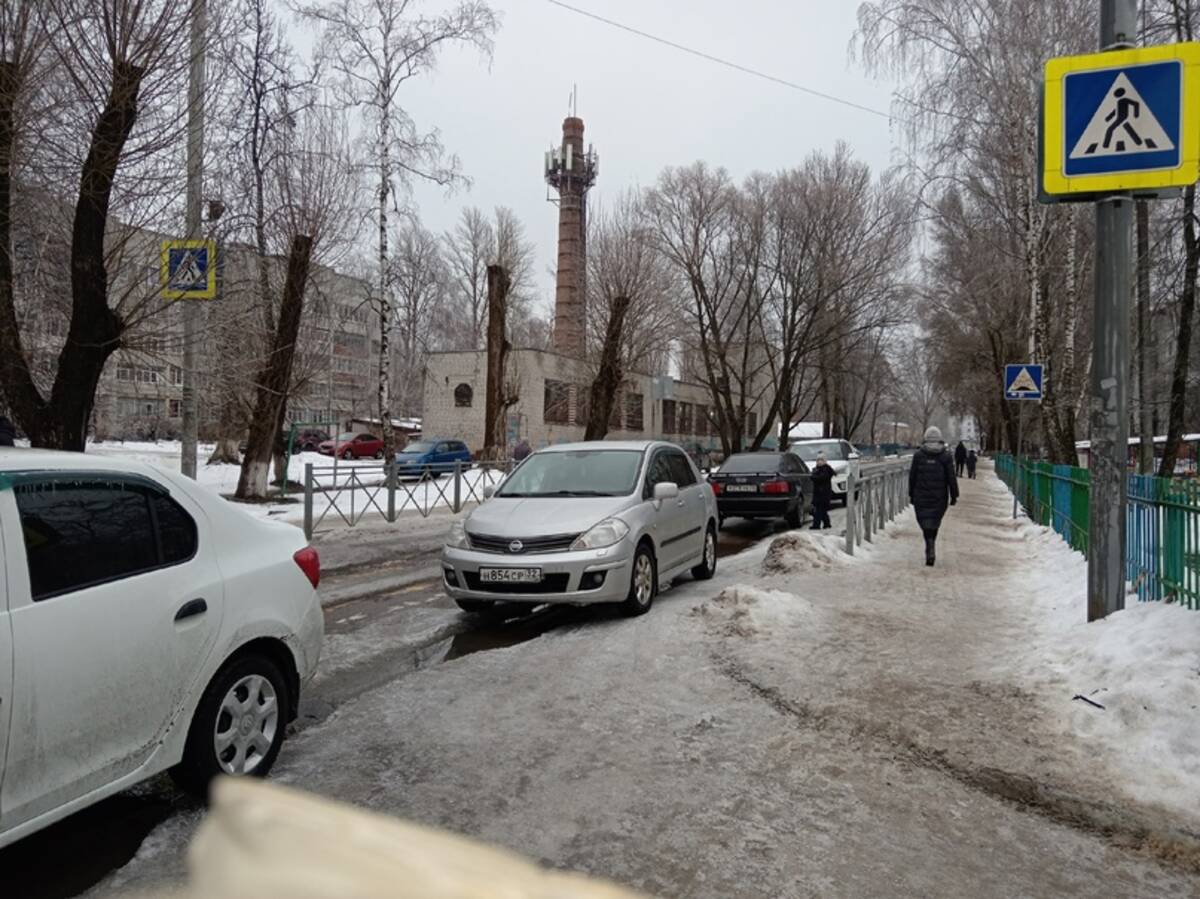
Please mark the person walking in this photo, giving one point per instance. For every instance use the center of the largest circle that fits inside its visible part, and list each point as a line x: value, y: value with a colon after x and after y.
x: 960, y: 458
x: 932, y: 486
x: 822, y: 496
x: 972, y: 461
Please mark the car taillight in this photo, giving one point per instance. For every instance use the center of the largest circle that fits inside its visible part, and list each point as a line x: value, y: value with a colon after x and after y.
x: 310, y: 564
x: 777, y: 487
x: 716, y: 487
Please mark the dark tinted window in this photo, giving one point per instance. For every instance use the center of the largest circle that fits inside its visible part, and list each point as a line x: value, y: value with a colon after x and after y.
x: 459, y: 447
x: 660, y: 472
x: 751, y: 463
x: 84, y: 532
x: 681, y: 471
x: 176, y: 530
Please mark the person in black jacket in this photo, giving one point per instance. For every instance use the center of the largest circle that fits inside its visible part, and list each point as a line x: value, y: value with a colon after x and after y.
x: 822, y: 495
x: 931, y: 487
x: 972, y: 461
x: 960, y: 458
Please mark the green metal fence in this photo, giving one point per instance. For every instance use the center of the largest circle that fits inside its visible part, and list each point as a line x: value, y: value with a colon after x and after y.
x: 1162, y: 545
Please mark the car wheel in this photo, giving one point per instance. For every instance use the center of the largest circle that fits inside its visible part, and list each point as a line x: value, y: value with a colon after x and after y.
x: 297, y: 449
x: 708, y: 562
x: 794, y: 516
x: 347, y: 454
x: 379, y: 454
x: 643, y: 583
x: 239, y: 724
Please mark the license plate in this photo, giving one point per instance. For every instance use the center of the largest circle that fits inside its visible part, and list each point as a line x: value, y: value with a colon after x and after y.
x: 742, y: 488
x: 510, y: 575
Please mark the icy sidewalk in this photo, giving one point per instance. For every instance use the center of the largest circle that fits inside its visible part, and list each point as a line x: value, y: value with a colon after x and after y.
x: 982, y: 665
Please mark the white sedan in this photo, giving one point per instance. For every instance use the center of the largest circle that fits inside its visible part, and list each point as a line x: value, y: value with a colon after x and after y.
x: 146, y: 624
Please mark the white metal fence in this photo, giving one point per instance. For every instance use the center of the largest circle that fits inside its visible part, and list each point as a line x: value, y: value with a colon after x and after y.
x: 875, y: 497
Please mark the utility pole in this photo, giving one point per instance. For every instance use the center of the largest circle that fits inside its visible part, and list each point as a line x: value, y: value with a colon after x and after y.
x: 195, y: 179
x: 1110, y: 365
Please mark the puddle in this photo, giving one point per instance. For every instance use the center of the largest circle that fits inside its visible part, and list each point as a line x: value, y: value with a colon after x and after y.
x: 515, y: 631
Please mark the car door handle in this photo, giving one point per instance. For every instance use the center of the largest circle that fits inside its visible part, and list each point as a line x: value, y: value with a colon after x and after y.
x: 191, y: 608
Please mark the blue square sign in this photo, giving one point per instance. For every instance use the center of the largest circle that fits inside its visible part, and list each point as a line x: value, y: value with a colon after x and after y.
x: 1023, y: 382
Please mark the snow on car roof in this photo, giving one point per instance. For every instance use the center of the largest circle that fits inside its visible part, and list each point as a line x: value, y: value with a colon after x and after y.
x: 23, y: 459
x: 639, y: 445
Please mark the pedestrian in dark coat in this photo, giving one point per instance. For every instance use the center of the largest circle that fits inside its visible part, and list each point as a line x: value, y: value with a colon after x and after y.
x: 8, y: 433
x: 960, y: 457
x: 932, y: 486
x: 822, y: 495
x: 972, y: 461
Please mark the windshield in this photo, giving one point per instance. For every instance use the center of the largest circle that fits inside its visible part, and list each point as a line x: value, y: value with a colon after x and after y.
x: 751, y: 462
x: 417, y: 448
x: 579, y: 473
x: 832, y: 450
x: 349, y: 435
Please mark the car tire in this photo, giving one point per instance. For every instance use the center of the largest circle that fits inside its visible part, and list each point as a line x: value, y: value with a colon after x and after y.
x: 253, y: 742
x: 347, y: 454
x: 708, y: 562
x: 794, y: 516
x: 379, y: 454
x: 643, y: 582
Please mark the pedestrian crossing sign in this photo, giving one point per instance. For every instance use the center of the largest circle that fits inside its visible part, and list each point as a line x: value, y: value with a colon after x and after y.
x: 189, y: 269
x: 1122, y: 120
x: 1022, y: 382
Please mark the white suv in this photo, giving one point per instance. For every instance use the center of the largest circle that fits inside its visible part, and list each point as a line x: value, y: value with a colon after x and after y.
x: 146, y: 624
x: 841, y: 455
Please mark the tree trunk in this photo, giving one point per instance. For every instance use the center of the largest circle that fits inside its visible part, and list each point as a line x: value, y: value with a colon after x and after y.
x: 385, y: 302
x: 608, y: 379
x: 273, y: 380
x: 1145, y: 425
x: 497, y: 353
x: 1183, y: 342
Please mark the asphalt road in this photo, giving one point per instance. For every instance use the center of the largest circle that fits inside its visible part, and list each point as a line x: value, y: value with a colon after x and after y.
x: 72, y: 856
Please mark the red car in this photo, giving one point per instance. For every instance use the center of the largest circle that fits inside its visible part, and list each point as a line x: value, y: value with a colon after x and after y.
x: 352, y: 446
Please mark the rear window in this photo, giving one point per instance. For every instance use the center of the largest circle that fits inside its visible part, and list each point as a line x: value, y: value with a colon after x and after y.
x: 750, y: 463
x: 833, y: 450
x: 79, y: 533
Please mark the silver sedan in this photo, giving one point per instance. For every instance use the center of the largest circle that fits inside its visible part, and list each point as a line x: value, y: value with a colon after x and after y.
x: 582, y: 523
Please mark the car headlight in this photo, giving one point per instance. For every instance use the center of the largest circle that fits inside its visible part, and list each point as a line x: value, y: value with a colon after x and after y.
x: 456, y: 538
x: 606, y: 533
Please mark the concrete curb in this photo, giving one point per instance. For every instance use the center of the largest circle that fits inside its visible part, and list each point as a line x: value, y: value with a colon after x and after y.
x: 363, y: 589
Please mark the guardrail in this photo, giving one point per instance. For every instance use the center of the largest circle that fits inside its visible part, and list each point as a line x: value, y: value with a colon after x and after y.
x: 350, y: 493
x: 876, y: 496
x: 1162, y: 522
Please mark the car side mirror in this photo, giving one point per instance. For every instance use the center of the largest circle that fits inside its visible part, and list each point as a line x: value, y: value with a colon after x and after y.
x: 489, y: 491
x: 665, y: 490
x: 854, y: 456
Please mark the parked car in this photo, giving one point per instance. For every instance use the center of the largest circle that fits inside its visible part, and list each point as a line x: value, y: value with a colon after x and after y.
x: 146, y: 624
x: 352, y: 446
x: 431, y: 458
x: 595, y: 522
x: 762, y: 485
x: 842, y: 457
x: 307, y: 440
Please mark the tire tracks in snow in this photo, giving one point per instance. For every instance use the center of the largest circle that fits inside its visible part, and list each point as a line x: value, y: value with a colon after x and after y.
x: 1133, y: 828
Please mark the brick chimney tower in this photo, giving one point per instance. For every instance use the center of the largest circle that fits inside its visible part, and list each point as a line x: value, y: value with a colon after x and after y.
x: 571, y: 172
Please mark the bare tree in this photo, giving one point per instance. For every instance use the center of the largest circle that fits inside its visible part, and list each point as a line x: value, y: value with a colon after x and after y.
x: 917, y: 380
x: 419, y: 282
x: 377, y: 46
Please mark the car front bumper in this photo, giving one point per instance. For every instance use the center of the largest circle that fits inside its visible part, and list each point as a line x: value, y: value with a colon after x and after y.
x: 562, y: 575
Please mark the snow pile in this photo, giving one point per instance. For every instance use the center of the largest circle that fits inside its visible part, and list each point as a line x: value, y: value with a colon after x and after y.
x: 743, y: 611
x: 798, y: 551
x: 1142, y: 664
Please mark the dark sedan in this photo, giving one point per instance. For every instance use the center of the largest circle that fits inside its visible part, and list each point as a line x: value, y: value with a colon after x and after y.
x: 762, y: 485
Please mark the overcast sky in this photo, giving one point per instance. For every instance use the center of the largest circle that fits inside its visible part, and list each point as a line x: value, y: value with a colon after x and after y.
x: 645, y: 105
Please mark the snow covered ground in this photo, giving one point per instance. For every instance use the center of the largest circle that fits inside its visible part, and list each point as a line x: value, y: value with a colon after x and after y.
x: 807, y: 724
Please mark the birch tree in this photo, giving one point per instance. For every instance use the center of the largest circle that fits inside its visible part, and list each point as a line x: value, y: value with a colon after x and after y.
x: 376, y: 47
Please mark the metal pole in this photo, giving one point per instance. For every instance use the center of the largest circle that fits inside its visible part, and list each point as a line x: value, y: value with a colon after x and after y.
x: 195, y: 177
x: 851, y: 488
x: 308, y: 500
x: 1017, y: 456
x: 458, y: 471
x: 1110, y: 366
x: 390, y: 472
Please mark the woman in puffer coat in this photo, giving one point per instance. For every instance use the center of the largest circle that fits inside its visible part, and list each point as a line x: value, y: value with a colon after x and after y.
x: 932, y: 487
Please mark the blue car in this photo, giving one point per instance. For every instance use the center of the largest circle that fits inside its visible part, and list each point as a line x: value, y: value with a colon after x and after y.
x: 431, y: 458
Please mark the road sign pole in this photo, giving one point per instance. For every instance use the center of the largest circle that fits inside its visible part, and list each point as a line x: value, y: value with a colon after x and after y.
x: 195, y: 172
x: 1110, y: 366
x: 1017, y: 456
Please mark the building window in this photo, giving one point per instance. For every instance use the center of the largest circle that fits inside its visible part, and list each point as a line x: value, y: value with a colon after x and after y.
x: 668, y: 417
x: 176, y: 375
x: 633, y: 412
x: 124, y: 373
x: 556, y: 403
x: 175, y: 408
x: 463, y: 394
x: 685, y: 418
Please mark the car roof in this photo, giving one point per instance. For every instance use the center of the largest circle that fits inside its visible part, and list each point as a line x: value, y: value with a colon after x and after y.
x: 22, y: 459
x: 639, y: 445
x: 819, y: 440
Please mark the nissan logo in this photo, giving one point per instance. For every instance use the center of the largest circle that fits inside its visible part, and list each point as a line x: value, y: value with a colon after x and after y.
x: 516, y: 546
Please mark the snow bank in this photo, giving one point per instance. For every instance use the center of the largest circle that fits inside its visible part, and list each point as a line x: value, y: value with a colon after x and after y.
x: 798, y: 551
x: 744, y: 611
x: 1142, y: 664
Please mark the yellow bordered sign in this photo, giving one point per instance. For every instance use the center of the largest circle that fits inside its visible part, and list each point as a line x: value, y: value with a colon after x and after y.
x: 189, y: 269
x: 1122, y: 120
